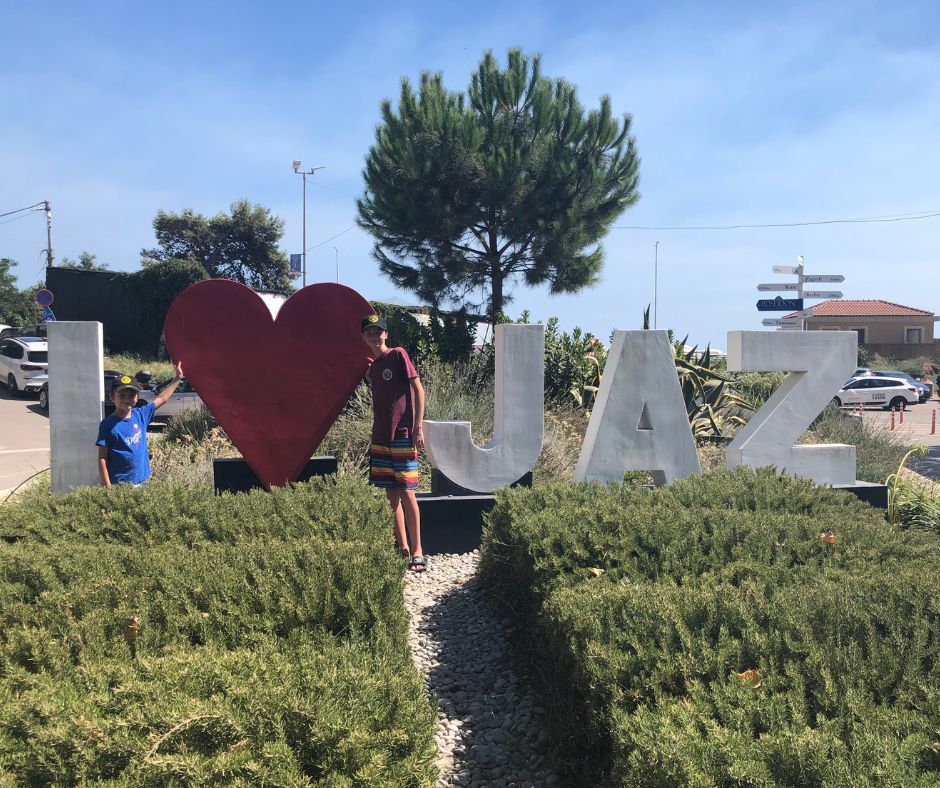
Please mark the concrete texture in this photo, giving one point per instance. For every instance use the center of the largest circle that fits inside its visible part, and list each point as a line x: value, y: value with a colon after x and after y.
x: 517, y: 418
x: 76, y: 390
x: 639, y: 420
x: 819, y: 362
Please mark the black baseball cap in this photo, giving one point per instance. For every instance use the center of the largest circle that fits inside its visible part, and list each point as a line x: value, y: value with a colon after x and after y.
x: 373, y: 321
x: 124, y: 382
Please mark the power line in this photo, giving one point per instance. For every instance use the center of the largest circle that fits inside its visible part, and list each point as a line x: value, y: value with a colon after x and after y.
x: 322, y: 243
x: 865, y: 220
x: 15, y: 218
x: 19, y: 210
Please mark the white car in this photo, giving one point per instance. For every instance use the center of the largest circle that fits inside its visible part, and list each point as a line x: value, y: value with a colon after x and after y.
x: 24, y: 363
x: 871, y: 390
x: 183, y: 399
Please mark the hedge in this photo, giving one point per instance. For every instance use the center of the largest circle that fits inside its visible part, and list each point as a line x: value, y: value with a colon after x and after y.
x: 732, y: 629
x: 163, y: 635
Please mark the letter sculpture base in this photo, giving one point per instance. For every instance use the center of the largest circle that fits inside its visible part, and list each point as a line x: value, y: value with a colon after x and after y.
x: 233, y: 474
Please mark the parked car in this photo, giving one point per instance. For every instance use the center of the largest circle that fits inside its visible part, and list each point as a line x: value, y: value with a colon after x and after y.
x: 875, y: 390
x: 183, y: 399
x: 924, y: 388
x: 109, y: 376
x: 23, y: 363
x: 37, y: 330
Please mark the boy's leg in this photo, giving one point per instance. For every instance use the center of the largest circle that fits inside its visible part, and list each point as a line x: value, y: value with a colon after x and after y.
x: 412, y: 516
x: 398, y: 517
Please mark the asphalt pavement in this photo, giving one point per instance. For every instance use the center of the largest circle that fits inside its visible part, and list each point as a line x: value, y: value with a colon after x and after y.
x: 929, y: 466
x: 24, y: 439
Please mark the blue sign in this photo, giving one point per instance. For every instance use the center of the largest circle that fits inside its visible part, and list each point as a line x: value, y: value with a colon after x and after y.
x: 779, y: 304
x: 44, y: 297
x: 47, y: 315
x: 296, y: 262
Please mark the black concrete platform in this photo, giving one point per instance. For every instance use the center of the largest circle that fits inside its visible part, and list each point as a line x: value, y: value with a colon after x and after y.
x: 234, y: 474
x: 441, y: 485
x: 871, y: 493
x: 452, y: 523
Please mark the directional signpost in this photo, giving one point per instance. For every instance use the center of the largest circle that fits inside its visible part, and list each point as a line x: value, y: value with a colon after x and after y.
x: 820, y: 278
x: 822, y: 294
x: 763, y: 287
x: 780, y: 304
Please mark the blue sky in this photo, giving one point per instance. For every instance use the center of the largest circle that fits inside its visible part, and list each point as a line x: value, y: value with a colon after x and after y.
x: 744, y: 113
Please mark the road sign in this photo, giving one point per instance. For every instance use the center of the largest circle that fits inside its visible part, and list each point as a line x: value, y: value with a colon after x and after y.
x: 822, y: 294
x: 819, y: 278
x: 44, y: 297
x: 805, y: 313
x: 777, y: 286
x: 47, y: 315
x: 786, y: 269
x: 779, y: 304
x: 780, y: 321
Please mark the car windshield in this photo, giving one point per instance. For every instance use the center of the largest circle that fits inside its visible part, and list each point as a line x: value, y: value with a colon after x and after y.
x: 38, y: 356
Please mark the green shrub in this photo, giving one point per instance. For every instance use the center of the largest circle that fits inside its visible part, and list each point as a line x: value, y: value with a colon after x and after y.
x: 163, y: 635
x: 705, y: 634
x: 877, y: 450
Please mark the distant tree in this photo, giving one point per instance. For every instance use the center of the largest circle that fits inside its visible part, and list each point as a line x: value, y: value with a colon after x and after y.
x: 154, y: 289
x: 17, y: 307
x: 241, y: 245
x: 512, y: 182
x: 86, y: 261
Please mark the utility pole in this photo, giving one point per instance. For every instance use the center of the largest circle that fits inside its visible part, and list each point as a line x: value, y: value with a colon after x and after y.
x: 337, y: 264
x: 305, y: 173
x: 655, y: 278
x: 49, y: 256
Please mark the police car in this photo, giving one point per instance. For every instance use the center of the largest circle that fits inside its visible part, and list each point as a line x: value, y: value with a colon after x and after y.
x: 871, y: 390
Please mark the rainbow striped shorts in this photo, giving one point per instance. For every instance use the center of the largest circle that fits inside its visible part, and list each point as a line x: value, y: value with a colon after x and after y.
x: 394, y: 465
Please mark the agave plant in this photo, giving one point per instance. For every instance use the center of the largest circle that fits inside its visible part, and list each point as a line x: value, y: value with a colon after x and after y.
x: 711, y: 404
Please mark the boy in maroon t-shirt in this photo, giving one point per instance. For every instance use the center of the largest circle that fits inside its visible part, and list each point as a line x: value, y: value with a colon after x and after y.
x: 398, y: 412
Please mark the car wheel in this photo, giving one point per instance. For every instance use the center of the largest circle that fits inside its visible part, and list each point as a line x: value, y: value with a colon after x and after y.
x: 11, y: 385
x: 44, y: 398
x: 837, y: 402
x: 897, y: 402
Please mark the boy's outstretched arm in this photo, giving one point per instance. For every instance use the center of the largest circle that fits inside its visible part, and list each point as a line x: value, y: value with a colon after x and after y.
x: 167, y: 392
x: 103, y: 466
x: 418, y: 390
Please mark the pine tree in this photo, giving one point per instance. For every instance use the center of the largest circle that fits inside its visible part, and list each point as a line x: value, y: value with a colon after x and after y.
x: 513, y: 182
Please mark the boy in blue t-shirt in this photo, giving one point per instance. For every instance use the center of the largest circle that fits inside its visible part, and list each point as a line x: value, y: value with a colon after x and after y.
x: 122, y: 436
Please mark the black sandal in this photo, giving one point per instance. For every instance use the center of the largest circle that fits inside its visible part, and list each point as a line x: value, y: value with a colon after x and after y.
x: 418, y: 563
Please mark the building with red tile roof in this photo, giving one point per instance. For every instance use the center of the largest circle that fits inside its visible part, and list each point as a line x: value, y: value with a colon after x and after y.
x: 890, y: 329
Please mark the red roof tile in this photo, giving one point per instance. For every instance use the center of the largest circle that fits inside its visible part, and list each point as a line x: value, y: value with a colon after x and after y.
x: 873, y: 307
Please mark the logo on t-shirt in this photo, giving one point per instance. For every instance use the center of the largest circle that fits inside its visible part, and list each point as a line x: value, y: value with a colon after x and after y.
x: 386, y: 374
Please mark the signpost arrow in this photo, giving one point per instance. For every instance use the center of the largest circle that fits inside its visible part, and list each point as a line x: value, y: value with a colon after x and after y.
x: 822, y: 294
x: 779, y: 304
x: 777, y: 286
x: 786, y: 269
x: 780, y: 321
x: 818, y: 278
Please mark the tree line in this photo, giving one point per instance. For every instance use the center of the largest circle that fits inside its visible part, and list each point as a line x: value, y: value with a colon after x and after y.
x: 466, y: 196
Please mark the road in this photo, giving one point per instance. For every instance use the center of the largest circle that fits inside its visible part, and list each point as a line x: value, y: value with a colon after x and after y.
x: 24, y: 439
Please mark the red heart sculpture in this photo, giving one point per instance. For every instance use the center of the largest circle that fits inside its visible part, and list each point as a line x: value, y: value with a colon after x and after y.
x: 275, y: 385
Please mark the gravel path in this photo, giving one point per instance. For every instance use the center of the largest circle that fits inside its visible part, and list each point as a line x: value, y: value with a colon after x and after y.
x: 489, y: 730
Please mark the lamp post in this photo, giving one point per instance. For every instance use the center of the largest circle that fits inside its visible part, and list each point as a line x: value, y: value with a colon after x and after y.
x: 337, y: 263
x: 305, y: 173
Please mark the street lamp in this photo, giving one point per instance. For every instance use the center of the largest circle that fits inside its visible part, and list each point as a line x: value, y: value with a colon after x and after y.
x: 337, y: 263
x: 304, y: 173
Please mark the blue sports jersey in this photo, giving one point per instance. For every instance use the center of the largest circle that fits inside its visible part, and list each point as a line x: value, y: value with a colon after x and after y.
x: 126, y: 440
